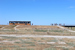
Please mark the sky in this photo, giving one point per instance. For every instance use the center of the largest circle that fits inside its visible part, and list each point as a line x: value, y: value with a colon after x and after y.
x: 39, y: 12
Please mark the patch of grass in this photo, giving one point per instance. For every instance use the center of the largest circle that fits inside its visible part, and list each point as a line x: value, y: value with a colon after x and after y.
x: 50, y: 49
x: 12, y: 25
x: 42, y: 43
x: 40, y: 30
x: 14, y: 46
x: 23, y: 45
x: 35, y: 40
x: 56, y: 30
x: 39, y: 40
x: 26, y: 42
x: 1, y: 43
x: 24, y: 49
x: 71, y: 44
x: 32, y: 45
x: 17, y: 42
x: 8, y: 30
x: 0, y: 27
x: 5, y: 37
x: 52, y: 40
x: 1, y: 46
x: 4, y: 46
x: 65, y: 48
x: 42, y: 38
x: 5, y: 49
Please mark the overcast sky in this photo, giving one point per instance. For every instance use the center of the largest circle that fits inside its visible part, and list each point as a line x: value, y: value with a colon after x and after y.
x: 39, y: 12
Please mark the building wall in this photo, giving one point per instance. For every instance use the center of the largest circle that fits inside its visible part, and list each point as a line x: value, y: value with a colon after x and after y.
x: 28, y: 24
x: 19, y: 24
x: 10, y: 23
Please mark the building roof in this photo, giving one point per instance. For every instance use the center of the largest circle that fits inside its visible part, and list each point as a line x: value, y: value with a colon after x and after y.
x: 19, y: 21
x: 68, y: 25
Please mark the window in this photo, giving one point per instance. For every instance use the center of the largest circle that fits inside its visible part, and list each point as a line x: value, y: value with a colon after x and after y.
x: 20, y: 22
x: 24, y: 22
x: 28, y: 22
x: 16, y: 22
x: 11, y: 22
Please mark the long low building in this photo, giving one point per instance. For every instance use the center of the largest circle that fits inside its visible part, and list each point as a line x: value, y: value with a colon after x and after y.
x: 19, y: 22
x: 68, y: 25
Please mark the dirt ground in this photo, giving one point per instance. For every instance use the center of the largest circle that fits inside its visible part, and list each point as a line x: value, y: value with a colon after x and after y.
x: 35, y: 43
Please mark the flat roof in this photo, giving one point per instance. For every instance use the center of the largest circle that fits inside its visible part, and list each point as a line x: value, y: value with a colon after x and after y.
x: 68, y: 25
x: 19, y: 21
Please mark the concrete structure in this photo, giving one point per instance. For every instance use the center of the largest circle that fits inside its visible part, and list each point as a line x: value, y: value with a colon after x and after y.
x: 19, y: 22
x: 68, y: 26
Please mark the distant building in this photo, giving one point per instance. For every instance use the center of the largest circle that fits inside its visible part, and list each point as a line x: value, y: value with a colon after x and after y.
x: 19, y: 22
